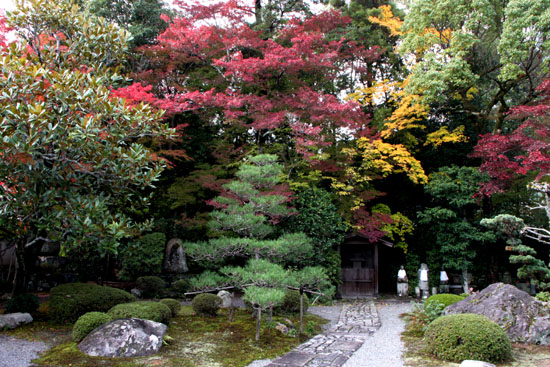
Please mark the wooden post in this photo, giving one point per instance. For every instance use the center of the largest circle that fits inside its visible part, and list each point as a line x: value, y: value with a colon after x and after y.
x: 301, y: 310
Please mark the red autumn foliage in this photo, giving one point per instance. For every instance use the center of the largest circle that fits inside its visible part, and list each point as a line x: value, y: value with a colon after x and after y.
x: 213, y: 63
x: 526, y: 149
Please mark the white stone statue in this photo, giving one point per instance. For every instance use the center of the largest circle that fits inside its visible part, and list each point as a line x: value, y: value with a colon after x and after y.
x: 402, y: 283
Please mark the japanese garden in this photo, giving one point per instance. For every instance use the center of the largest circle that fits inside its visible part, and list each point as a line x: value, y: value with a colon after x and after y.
x: 275, y: 183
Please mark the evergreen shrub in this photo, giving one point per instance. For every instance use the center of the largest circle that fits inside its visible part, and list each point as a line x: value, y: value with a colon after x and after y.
x: 467, y: 336
x: 174, y: 305
x: 148, y: 310
x: 180, y: 286
x: 24, y: 302
x: 291, y: 302
x: 88, y: 322
x: 206, y: 304
x: 143, y: 256
x: 70, y: 301
x: 150, y: 286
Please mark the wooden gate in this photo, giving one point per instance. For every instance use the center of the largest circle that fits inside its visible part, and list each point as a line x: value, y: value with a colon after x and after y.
x: 359, y: 270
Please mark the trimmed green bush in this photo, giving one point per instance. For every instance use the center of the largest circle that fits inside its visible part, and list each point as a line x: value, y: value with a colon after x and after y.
x: 172, y: 304
x: 143, y: 256
x: 446, y: 299
x: 150, y: 286
x: 467, y: 336
x: 291, y: 303
x: 543, y: 296
x: 206, y: 304
x: 148, y: 310
x: 180, y: 286
x: 24, y: 302
x: 70, y: 301
x: 88, y: 322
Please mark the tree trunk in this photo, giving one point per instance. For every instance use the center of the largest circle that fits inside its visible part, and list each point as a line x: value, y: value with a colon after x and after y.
x: 20, y: 277
x: 258, y: 11
x: 271, y: 313
x: 231, y: 309
x: 301, y: 310
x: 258, y: 322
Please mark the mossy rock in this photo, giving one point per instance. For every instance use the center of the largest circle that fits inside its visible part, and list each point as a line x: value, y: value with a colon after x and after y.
x: 206, y: 304
x: 148, y: 310
x: 70, y: 301
x: 446, y: 299
x: 88, y: 322
x: 467, y: 336
x: 173, y: 304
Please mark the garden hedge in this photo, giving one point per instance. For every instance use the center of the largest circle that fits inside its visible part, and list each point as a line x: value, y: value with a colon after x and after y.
x: 70, y: 301
x: 148, y: 310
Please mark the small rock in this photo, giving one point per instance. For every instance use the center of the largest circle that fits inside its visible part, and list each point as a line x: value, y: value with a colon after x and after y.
x: 124, y: 338
x: 13, y: 320
x: 472, y: 363
x: 288, y: 323
x: 282, y: 328
x: 226, y: 297
x: 135, y: 292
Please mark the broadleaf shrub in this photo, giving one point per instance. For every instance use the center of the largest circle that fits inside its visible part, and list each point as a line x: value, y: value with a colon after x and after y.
x: 88, y: 322
x: 148, y: 310
x: 467, y: 336
x: 446, y: 299
x: 174, y: 305
x: 543, y: 296
x: 421, y: 315
x: 143, y: 256
x: 206, y: 304
x: 150, y: 286
x: 24, y: 302
x: 70, y: 301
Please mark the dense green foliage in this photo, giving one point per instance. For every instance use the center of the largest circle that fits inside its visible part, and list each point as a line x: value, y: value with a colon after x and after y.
x: 467, y: 336
x: 143, y: 256
x: 444, y: 299
x: 206, y: 304
x: 141, y: 18
x: 148, y: 310
x: 73, y: 169
x: 150, y: 286
x: 88, y: 322
x: 291, y: 302
x: 23, y: 302
x: 70, y: 301
x: 173, y: 304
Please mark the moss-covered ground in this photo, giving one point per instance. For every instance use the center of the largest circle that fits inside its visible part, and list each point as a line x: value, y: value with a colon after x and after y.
x: 195, y: 341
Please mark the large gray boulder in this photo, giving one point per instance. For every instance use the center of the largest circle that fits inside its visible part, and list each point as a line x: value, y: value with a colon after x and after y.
x: 524, y: 319
x: 13, y: 320
x: 124, y: 338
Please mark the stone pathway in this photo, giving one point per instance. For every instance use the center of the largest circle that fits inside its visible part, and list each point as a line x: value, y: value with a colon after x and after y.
x: 358, y: 321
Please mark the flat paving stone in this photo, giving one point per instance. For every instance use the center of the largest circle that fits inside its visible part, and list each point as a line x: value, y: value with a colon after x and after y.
x: 358, y: 321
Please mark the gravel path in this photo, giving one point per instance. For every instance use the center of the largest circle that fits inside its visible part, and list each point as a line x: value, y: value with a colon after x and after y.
x: 384, y: 348
x: 16, y: 352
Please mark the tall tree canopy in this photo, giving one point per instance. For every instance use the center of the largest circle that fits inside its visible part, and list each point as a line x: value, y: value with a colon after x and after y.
x: 73, y: 169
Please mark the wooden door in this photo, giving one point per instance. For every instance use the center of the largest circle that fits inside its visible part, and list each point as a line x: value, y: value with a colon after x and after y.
x: 358, y: 271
